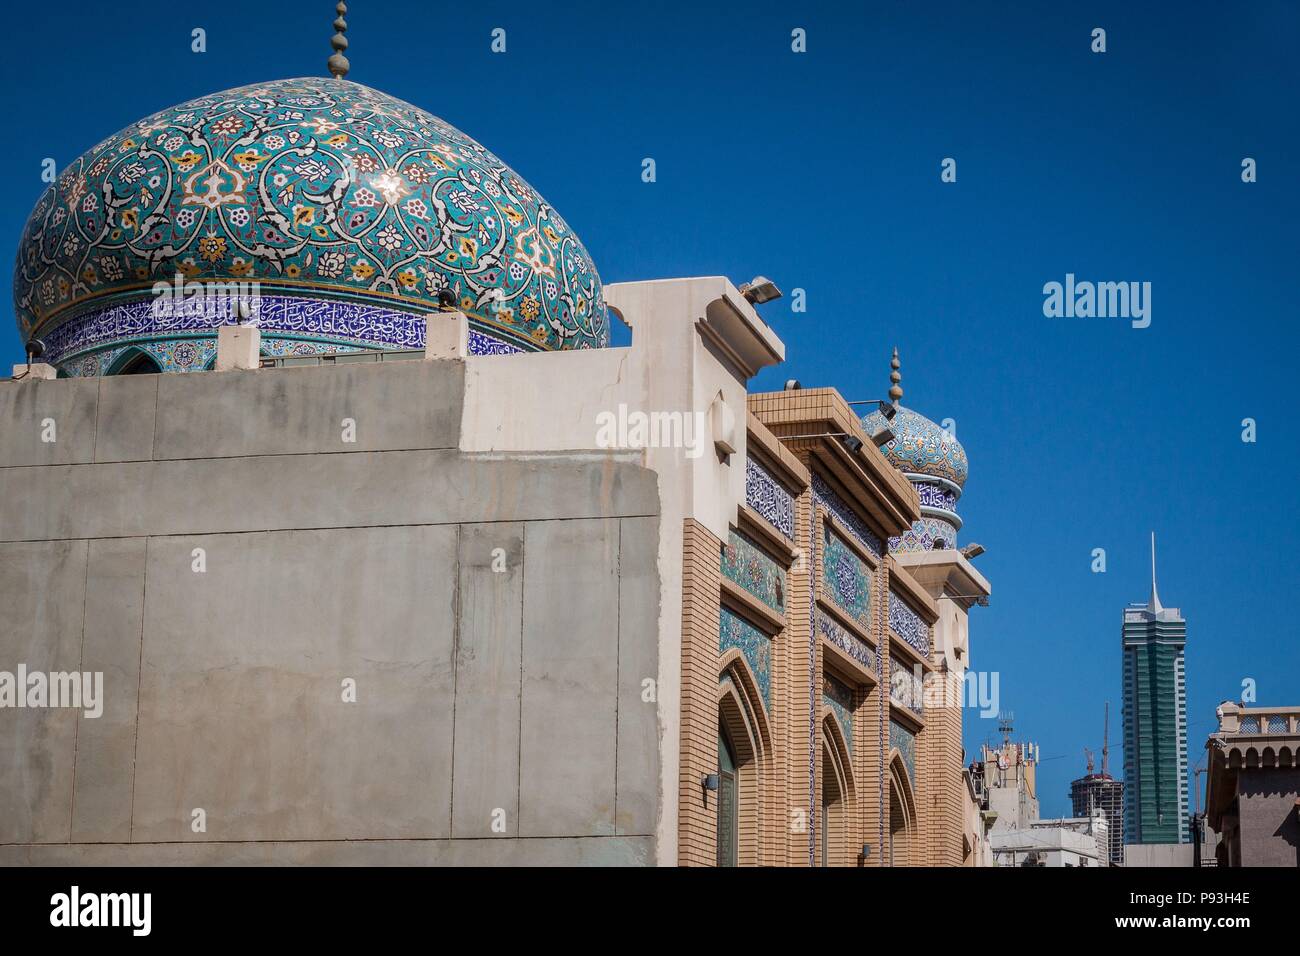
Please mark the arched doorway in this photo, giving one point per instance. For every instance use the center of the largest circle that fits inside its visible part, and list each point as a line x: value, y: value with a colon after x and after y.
x: 831, y: 823
x: 902, y: 818
x: 728, y: 801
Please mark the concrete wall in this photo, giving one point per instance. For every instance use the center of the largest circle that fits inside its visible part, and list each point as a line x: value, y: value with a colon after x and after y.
x: 1270, y: 816
x: 497, y: 612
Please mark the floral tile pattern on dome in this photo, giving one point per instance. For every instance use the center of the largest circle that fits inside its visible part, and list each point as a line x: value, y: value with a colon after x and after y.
x: 754, y: 645
x: 766, y: 496
x: 909, y: 625
x: 839, y: 698
x: 851, y: 521
x: 846, y: 580
x: 921, y: 446
x: 750, y: 567
x: 852, y: 645
x: 310, y: 184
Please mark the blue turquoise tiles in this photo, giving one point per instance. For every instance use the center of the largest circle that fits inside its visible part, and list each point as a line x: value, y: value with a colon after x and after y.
x: 852, y: 645
x: 766, y: 496
x: 839, y: 698
x: 846, y: 579
x: 908, y: 625
x: 906, y: 689
x: 310, y: 186
x: 850, y: 520
x: 750, y: 567
x: 904, y: 741
x: 754, y: 645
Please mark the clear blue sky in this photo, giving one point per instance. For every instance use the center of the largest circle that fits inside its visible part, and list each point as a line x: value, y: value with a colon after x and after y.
x: 821, y: 171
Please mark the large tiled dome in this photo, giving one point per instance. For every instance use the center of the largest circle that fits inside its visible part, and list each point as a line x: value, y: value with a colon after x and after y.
x: 354, y: 213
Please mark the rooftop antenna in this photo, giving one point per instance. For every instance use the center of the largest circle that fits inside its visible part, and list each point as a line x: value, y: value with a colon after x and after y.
x: 1006, y: 725
x: 338, y: 63
x: 1105, y: 742
x: 1154, y: 607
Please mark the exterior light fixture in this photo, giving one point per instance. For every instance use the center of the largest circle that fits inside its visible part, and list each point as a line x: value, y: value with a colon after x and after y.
x: 35, y: 349
x: 887, y: 409
x: 972, y: 550
x: 852, y: 443
x: 760, y: 289
x: 882, y: 436
x: 792, y: 385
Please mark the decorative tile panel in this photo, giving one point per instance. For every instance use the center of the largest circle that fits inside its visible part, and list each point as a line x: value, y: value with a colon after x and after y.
x: 908, y: 625
x: 907, y: 690
x: 904, y: 741
x: 852, y: 645
x: 765, y: 495
x: 846, y: 579
x: 823, y: 495
x: 754, y: 645
x: 749, y: 566
x: 839, y: 698
x: 925, y: 534
x: 935, y: 496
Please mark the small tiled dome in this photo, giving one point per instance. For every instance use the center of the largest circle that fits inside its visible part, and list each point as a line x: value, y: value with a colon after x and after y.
x: 933, y: 460
x: 922, y: 447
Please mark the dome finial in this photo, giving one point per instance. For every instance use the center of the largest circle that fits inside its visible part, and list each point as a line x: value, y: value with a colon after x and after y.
x: 338, y: 63
x: 895, y: 389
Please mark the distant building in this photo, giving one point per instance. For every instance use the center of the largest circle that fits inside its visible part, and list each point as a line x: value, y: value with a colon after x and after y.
x: 1009, y: 777
x: 1102, y: 792
x: 1252, y: 795
x: 1155, y: 721
x: 1071, y: 841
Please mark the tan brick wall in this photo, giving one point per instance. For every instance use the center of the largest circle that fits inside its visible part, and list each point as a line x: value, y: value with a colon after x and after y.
x: 701, y: 576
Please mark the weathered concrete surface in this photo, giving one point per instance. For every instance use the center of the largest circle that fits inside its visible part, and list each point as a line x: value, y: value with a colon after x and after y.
x: 213, y: 547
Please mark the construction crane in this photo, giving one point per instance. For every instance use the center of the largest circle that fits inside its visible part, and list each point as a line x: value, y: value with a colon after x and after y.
x: 1105, y: 743
x: 1087, y: 752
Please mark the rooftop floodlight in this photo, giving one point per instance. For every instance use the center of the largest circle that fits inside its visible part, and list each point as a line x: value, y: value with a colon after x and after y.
x: 792, y: 385
x: 35, y: 349
x: 853, y: 444
x: 887, y: 409
x: 446, y: 299
x: 760, y: 289
x: 972, y: 550
x: 882, y: 436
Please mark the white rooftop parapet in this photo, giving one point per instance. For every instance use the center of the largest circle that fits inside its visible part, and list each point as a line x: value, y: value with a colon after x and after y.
x: 446, y: 335
x: 238, y: 347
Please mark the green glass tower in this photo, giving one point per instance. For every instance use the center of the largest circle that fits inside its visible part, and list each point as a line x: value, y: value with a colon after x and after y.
x: 1155, y: 721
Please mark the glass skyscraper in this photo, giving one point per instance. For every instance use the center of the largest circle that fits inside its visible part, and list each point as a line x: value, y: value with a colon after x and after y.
x: 1155, y: 721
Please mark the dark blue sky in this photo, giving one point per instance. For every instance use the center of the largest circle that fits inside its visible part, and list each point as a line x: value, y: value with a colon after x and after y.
x: 821, y: 170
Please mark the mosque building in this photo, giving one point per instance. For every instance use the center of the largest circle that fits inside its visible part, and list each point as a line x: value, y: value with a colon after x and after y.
x: 422, y: 569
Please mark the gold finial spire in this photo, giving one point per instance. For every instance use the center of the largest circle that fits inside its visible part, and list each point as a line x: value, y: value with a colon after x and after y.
x: 895, y: 389
x: 338, y: 63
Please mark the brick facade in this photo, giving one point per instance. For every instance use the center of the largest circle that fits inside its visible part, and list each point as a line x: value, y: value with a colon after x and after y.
x: 810, y: 792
